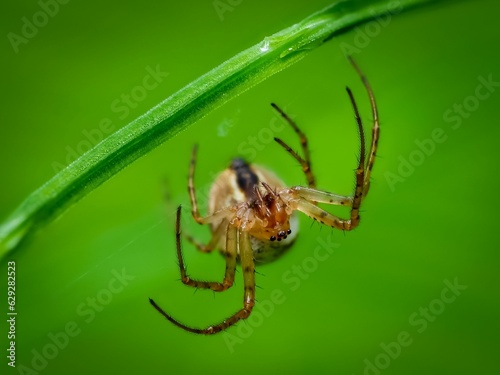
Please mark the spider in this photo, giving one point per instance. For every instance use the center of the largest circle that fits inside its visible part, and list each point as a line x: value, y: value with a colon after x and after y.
x: 252, y: 216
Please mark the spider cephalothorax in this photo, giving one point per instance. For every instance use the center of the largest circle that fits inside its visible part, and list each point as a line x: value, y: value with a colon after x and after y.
x: 273, y: 214
x: 252, y: 215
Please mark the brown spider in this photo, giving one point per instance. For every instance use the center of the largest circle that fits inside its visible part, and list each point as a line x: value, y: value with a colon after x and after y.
x: 251, y: 213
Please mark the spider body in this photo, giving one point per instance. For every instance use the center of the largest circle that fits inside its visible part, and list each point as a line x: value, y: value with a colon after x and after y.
x: 269, y: 219
x: 251, y: 213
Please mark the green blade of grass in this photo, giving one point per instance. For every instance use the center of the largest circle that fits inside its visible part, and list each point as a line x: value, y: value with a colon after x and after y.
x: 183, y: 108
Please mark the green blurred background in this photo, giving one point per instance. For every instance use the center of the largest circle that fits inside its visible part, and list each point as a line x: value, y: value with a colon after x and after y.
x: 425, y: 224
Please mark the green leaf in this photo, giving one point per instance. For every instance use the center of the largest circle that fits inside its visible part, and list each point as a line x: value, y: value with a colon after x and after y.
x: 185, y: 107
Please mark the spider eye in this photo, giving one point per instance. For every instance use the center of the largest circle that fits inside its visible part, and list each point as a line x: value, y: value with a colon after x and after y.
x: 281, y: 233
x: 273, y: 238
x: 289, y: 231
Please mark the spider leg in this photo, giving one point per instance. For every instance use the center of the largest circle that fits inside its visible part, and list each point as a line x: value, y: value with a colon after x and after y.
x: 212, y: 244
x: 230, y: 255
x: 248, y: 266
x: 192, y: 194
x: 324, y: 217
x: 304, y: 162
x: 376, y: 126
x: 360, y: 170
x: 214, y: 240
x: 320, y: 196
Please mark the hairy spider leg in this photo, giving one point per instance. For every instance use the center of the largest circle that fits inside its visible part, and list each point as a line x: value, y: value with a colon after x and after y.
x: 321, y: 196
x: 230, y: 254
x: 304, y: 162
x: 376, y: 125
x: 360, y: 171
x: 191, y: 189
x: 235, y: 239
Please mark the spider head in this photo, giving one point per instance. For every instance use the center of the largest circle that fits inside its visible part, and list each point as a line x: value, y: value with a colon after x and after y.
x: 273, y: 214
